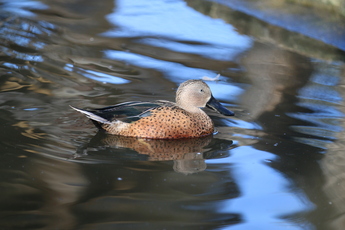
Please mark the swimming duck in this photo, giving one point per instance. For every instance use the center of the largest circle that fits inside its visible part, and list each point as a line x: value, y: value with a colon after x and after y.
x: 161, y: 119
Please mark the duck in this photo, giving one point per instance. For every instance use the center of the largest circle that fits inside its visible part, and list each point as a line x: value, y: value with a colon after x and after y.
x: 161, y: 119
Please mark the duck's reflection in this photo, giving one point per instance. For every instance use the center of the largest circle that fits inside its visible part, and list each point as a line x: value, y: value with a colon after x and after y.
x: 188, y: 154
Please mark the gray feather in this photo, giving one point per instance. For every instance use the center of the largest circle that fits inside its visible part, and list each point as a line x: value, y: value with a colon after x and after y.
x: 91, y: 115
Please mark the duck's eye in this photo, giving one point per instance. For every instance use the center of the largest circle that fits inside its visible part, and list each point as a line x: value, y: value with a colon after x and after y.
x: 201, y: 90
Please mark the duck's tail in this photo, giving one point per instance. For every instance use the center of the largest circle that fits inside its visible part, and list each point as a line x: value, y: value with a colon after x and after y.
x: 92, y: 115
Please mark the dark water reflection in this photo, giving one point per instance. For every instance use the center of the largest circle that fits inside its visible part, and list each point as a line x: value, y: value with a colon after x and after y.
x: 277, y: 165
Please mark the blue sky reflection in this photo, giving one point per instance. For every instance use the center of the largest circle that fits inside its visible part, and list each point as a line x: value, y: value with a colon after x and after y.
x: 180, y: 72
x: 267, y: 196
x: 168, y: 19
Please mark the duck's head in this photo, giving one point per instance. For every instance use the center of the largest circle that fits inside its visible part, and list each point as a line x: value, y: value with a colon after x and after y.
x: 195, y: 94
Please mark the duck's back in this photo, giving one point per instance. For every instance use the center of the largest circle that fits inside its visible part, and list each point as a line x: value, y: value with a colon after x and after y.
x: 166, y: 122
x: 154, y: 120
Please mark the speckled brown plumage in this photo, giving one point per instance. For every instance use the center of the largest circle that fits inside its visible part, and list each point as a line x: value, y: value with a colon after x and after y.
x: 166, y: 123
x: 161, y: 119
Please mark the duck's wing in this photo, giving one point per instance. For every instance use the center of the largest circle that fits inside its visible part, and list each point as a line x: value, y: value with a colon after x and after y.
x: 126, y: 112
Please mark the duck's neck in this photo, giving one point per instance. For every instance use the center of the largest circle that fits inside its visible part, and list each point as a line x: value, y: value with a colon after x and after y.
x: 191, y: 109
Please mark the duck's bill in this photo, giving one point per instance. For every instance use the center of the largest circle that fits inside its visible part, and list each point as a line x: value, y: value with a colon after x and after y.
x: 215, y: 105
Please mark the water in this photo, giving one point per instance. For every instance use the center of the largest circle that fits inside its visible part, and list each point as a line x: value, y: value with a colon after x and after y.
x: 277, y: 164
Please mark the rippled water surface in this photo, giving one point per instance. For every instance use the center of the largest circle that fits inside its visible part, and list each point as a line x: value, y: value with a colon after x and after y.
x: 278, y: 164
